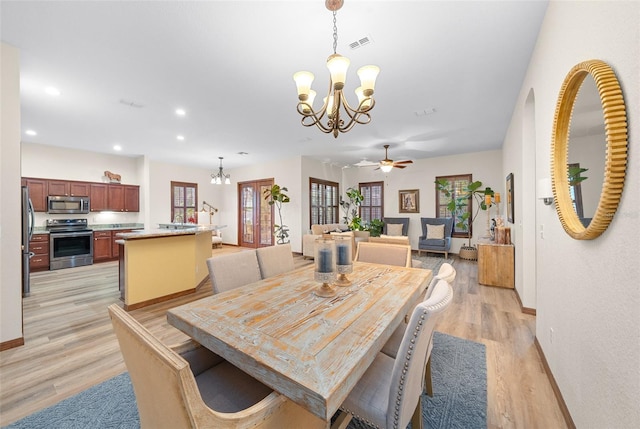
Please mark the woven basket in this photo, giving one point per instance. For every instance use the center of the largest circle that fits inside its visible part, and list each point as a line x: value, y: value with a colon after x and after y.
x: 468, y: 253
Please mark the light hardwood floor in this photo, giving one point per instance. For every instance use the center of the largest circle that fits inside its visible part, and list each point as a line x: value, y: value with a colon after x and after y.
x: 70, y: 346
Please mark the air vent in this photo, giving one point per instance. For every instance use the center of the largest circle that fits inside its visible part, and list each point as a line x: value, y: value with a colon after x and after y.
x: 360, y: 42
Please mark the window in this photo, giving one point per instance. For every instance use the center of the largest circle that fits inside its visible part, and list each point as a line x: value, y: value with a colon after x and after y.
x: 373, y: 202
x: 457, y: 186
x: 323, y: 201
x: 184, y: 202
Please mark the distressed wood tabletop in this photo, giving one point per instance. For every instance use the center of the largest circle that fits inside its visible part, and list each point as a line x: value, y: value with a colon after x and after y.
x: 311, y: 349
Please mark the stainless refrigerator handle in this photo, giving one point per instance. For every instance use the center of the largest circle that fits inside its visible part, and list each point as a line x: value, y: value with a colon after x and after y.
x: 31, y: 215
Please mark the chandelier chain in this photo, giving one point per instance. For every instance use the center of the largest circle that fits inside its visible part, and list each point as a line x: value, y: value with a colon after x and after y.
x: 335, y: 32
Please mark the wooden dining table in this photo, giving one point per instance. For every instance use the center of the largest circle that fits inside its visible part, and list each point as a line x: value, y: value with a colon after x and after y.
x: 311, y: 349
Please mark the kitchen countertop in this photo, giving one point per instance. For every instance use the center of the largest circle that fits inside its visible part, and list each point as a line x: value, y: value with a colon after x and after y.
x: 163, y: 232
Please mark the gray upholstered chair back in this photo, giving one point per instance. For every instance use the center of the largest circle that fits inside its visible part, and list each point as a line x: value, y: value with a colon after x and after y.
x: 274, y: 260
x: 396, y: 220
x: 446, y: 221
x: 410, y: 363
x: 233, y: 270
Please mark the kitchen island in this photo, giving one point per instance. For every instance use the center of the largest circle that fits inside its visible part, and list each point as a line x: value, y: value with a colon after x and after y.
x: 161, y: 264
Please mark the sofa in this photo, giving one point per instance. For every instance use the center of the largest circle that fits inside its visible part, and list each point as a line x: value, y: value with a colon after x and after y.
x: 436, y: 239
x: 319, y: 230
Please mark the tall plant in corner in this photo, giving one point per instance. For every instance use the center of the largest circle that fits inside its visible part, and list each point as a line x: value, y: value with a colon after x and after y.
x: 276, y: 196
x: 458, y: 201
x: 350, y: 208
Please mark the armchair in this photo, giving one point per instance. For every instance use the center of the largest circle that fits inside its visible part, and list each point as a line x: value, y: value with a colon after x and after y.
x: 404, y: 221
x: 429, y: 242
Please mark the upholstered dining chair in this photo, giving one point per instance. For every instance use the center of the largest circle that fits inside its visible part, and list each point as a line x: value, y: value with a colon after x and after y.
x: 447, y: 273
x: 233, y: 270
x: 384, y: 253
x: 192, y: 387
x: 274, y: 260
x: 389, y: 393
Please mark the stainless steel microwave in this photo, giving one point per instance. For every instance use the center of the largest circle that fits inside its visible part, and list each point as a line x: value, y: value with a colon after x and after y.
x: 67, y: 205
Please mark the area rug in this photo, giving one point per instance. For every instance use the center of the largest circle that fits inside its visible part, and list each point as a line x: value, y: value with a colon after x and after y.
x: 458, y: 368
x: 432, y: 262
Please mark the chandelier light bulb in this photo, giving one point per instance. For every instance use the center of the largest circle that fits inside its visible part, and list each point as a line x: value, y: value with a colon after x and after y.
x: 309, y: 102
x: 338, y: 66
x: 363, y: 101
x: 303, y: 81
x: 368, y: 75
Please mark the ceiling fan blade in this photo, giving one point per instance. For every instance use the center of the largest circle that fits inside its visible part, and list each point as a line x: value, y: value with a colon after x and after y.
x: 399, y: 166
x: 404, y: 162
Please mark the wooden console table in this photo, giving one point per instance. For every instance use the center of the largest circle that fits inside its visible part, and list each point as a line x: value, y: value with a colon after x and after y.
x: 496, y: 264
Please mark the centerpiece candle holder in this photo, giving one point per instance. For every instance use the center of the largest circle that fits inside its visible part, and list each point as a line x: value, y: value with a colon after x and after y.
x: 325, y: 267
x: 344, y: 262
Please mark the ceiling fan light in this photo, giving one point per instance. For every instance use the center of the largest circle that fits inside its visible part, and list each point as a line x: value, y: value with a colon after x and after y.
x: 338, y: 65
x: 386, y: 167
x: 303, y: 81
x: 368, y: 75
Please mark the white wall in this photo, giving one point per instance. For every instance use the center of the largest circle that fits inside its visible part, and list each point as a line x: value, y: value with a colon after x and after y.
x: 10, y: 198
x: 587, y: 291
x: 483, y: 166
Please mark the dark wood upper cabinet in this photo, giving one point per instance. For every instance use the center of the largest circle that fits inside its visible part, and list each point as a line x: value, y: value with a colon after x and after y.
x: 38, y: 192
x: 79, y: 189
x: 98, y: 197
x: 131, y: 198
x: 58, y: 187
x: 115, y: 198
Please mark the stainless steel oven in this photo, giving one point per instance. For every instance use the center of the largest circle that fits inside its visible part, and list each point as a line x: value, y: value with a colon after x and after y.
x: 70, y: 243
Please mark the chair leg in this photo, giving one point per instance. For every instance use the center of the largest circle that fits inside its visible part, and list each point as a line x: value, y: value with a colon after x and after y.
x: 427, y: 378
x: 416, y: 419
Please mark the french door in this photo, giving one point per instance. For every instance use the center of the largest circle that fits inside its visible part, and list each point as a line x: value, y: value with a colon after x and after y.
x: 255, y: 222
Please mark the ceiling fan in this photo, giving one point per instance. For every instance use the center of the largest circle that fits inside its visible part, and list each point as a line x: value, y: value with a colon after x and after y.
x: 387, y: 164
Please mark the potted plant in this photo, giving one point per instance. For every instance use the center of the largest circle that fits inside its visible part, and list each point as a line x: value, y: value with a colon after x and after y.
x: 457, y: 207
x: 277, y: 197
x: 375, y: 227
x: 350, y: 208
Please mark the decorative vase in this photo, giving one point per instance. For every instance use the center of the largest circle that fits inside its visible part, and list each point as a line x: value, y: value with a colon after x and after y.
x: 325, y: 267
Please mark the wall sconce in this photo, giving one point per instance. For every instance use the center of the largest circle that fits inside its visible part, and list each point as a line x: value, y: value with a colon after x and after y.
x: 545, y: 193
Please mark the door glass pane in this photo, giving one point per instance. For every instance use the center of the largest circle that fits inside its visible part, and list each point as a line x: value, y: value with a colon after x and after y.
x: 247, y: 210
x: 266, y: 231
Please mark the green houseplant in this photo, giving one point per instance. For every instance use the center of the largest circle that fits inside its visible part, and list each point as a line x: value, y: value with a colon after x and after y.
x: 457, y: 207
x: 276, y: 196
x: 350, y: 208
x: 375, y: 227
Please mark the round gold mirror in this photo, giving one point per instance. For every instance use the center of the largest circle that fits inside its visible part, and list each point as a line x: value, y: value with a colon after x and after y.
x: 568, y: 175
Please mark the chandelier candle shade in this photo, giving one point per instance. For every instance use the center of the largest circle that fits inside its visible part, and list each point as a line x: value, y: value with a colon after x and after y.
x: 335, y: 99
x: 217, y: 179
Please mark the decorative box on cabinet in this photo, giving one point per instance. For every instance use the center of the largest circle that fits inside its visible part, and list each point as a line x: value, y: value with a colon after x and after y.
x: 39, y: 245
x: 496, y: 264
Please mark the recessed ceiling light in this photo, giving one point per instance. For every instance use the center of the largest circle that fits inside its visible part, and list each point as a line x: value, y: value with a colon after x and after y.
x: 117, y: 147
x: 179, y: 137
x: 180, y: 112
x: 51, y: 90
x: 31, y: 133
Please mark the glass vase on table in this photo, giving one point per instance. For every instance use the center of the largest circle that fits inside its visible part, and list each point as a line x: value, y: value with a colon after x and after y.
x: 325, y: 267
x: 344, y: 262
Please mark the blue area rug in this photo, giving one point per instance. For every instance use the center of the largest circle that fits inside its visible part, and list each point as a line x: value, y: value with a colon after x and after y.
x: 458, y: 368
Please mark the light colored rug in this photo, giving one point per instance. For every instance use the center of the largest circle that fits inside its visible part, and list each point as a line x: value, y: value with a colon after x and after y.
x: 458, y: 368
x: 432, y: 262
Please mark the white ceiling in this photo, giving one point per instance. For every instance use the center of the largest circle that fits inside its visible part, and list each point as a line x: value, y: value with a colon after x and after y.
x: 229, y: 64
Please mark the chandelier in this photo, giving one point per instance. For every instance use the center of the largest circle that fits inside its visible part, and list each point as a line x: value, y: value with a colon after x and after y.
x: 218, y: 178
x: 335, y: 99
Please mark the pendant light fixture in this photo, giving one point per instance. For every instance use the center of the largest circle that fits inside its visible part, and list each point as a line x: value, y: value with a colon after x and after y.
x: 335, y: 99
x: 217, y: 179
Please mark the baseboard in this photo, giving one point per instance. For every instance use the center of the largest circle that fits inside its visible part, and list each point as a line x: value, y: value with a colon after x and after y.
x: 525, y: 310
x: 6, y: 345
x: 157, y: 300
x: 556, y: 389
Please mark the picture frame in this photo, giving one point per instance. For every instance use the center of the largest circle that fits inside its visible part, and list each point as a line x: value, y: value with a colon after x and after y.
x: 510, y: 201
x: 409, y: 201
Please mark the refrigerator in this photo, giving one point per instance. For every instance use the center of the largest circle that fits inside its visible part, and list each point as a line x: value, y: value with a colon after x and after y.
x: 27, y: 232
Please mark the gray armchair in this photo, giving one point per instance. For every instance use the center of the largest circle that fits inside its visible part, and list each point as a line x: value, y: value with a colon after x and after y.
x: 437, y: 245
x: 396, y: 220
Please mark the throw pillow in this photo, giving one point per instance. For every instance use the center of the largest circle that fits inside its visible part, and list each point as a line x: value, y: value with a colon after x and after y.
x: 394, y: 229
x: 435, y: 232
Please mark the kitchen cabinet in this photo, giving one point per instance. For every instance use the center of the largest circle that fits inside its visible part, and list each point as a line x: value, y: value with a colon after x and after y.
x: 39, y: 245
x: 123, y: 198
x: 101, y: 246
x: 115, y: 198
x: 38, y: 191
x: 496, y: 264
x: 131, y: 198
x: 98, y: 197
x: 68, y: 188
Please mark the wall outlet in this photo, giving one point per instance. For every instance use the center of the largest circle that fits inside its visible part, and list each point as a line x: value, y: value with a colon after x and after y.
x: 551, y: 335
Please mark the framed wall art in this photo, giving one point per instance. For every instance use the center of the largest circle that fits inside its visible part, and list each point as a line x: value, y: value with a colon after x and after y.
x: 510, y: 202
x: 409, y: 201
